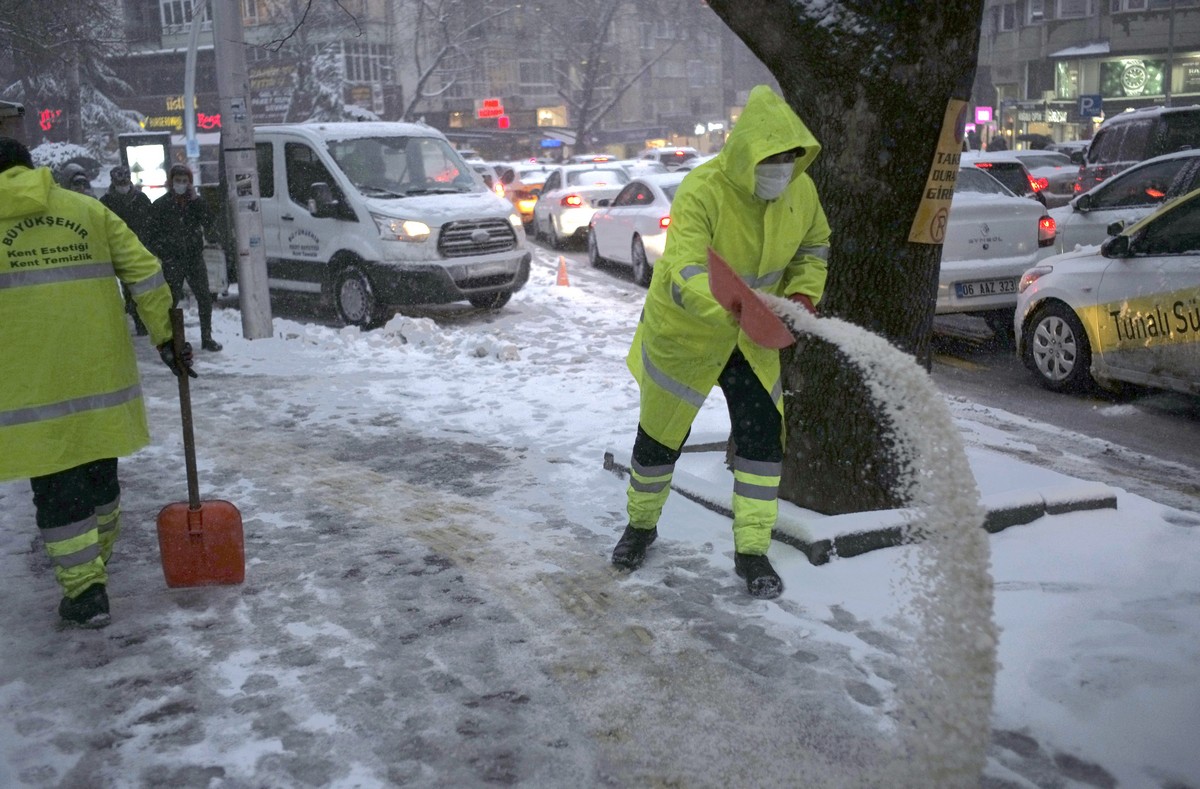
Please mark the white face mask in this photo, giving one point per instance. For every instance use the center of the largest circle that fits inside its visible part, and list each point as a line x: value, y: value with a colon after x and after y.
x: 771, y: 179
x: 180, y: 188
x: 123, y: 189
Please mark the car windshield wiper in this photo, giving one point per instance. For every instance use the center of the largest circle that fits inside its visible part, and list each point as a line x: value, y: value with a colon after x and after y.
x: 378, y: 191
x: 432, y: 190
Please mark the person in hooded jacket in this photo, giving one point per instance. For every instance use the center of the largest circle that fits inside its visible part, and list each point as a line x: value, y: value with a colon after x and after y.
x: 129, y: 203
x: 74, y: 177
x: 179, y: 222
x: 755, y: 205
x: 70, y: 395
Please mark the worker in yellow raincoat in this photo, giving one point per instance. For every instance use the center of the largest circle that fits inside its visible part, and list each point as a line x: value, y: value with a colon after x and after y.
x: 755, y: 205
x: 70, y: 396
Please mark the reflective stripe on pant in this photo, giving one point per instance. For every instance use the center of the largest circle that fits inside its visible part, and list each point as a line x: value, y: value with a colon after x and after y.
x: 650, y: 473
x: 68, y: 507
x: 108, y: 524
x: 755, y: 503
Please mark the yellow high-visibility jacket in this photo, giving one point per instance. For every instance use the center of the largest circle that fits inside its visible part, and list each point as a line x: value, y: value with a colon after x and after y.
x: 69, y: 386
x: 685, y: 337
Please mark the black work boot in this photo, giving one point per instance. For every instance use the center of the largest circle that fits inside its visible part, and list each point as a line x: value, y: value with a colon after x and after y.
x: 631, y: 548
x: 89, y: 609
x: 209, y: 344
x: 761, y: 579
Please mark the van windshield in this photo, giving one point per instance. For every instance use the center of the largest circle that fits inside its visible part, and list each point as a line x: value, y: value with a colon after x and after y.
x: 403, y: 166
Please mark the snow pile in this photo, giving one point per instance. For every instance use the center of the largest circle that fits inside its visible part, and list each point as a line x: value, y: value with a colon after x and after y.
x: 945, y: 706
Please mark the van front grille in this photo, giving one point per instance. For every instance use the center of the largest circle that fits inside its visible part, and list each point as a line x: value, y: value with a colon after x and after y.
x: 476, y: 237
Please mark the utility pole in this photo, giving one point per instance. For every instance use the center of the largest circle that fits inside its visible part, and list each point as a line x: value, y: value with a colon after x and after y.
x: 242, y: 193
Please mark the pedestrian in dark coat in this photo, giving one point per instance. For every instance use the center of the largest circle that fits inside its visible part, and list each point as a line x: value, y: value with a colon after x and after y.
x: 179, y: 222
x: 128, y: 202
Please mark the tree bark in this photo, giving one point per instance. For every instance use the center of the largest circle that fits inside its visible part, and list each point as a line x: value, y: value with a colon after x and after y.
x: 872, y: 80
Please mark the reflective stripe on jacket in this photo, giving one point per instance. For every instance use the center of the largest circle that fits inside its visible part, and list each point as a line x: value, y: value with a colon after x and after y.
x: 780, y: 247
x: 69, y: 387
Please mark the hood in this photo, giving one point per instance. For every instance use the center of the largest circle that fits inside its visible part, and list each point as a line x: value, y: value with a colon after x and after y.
x: 767, y: 126
x: 437, y: 209
x: 25, y: 191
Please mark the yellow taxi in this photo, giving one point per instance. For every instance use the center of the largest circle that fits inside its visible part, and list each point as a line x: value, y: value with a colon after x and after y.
x: 1127, y: 311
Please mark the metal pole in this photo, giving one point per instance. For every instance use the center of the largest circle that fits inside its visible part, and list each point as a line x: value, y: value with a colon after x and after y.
x: 189, y: 89
x: 1170, y: 56
x: 241, y: 168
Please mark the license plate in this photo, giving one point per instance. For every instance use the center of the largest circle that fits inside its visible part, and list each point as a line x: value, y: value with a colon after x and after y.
x: 985, y: 287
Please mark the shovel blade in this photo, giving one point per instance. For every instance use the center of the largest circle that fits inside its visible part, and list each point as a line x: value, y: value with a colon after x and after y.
x: 757, y: 320
x: 202, y: 546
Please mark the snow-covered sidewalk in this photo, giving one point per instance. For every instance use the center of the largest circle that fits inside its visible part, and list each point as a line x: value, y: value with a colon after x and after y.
x: 428, y: 599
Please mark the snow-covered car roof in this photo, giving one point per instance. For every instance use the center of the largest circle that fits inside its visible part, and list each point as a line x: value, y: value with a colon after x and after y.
x: 353, y: 130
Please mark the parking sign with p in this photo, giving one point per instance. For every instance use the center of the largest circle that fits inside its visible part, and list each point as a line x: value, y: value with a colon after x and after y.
x: 1090, y: 105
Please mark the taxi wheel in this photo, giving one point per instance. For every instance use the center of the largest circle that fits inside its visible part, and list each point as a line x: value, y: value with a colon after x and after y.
x: 593, y: 248
x: 355, y: 298
x: 641, y: 266
x: 1057, y: 350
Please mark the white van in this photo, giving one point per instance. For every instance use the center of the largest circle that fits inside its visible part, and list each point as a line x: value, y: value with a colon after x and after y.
x: 375, y: 215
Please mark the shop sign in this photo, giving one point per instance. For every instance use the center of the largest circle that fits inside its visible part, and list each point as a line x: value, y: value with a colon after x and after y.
x: 1191, y: 76
x: 1130, y: 77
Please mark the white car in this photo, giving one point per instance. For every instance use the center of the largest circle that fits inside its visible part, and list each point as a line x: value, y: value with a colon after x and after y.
x: 632, y: 229
x: 1127, y: 311
x: 1125, y: 198
x: 569, y: 197
x: 992, y: 237
x: 671, y: 156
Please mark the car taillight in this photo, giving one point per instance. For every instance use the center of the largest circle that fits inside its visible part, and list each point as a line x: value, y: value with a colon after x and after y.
x: 984, y: 165
x: 572, y: 201
x: 498, y: 189
x: 665, y: 222
x: 1047, y: 230
x: 1038, y: 184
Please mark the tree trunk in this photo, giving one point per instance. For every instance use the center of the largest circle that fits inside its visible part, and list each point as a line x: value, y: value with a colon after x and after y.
x: 873, y: 87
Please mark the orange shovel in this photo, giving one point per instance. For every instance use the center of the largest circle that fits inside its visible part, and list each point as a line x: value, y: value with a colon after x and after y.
x: 200, y: 541
x: 754, y: 316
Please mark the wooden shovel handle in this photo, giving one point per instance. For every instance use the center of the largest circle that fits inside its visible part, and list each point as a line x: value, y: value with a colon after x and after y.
x: 185, y: 409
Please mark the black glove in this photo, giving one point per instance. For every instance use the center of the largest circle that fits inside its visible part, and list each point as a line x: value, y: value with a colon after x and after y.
x: 167, y: 353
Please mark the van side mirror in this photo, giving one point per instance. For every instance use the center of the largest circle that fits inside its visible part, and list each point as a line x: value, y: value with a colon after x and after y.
x: 1084, y: 204
x: 322, y: 203
x: 1115, y: 228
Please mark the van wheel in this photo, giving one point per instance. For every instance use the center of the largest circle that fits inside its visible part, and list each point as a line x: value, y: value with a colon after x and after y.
x: 492, y: 301
x: 1057, y: 350
x: 354, y: 297
x: 641, y: 266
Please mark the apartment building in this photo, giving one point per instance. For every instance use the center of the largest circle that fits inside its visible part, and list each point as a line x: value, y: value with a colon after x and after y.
x: 1058, y: 67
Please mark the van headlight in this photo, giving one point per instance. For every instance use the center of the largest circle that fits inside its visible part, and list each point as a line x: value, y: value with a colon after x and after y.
x: 392, y: 228
x: 514, y: 219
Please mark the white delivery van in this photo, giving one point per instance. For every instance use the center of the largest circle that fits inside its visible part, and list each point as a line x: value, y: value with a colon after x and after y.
x: 376, y: 215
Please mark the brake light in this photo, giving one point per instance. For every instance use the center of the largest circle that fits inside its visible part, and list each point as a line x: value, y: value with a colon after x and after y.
x: 1047, y: 230
x: 572, y: 201
x: 665, y: 222
x: 1157, y: 194
x: 1038, y: 184
x: 983, y: 165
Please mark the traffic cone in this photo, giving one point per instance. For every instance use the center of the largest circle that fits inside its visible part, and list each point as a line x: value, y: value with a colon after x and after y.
x: 562, y: 271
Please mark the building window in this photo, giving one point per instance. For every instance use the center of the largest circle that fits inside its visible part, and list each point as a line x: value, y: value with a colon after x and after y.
x: 1074, y: 9
x: 250, y: 12
x: 176, y: 15
x: 367, y: 62
x: 1008, y: 17
x: 1120, y: 6
x: 1035, y: 12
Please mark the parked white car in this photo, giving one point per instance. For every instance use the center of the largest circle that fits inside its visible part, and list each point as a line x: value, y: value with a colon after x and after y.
x: 632, y: 229
x: 992, y: 237
x: 1127, y: 311
x: 1127, y: 197
x: 569, y: 197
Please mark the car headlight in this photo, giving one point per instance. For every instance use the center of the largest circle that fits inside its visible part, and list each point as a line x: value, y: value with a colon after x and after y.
x: 393, y: 228
x: 514, y: 219
x: 1033, y: 275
